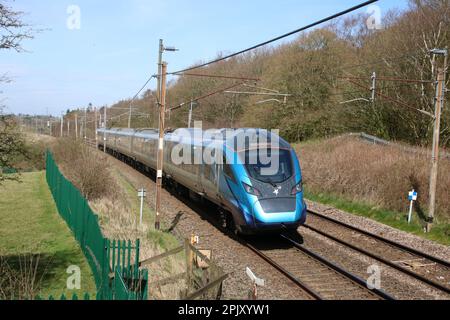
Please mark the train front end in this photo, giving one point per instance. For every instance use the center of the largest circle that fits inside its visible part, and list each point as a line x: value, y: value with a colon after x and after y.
x: 270, y: 185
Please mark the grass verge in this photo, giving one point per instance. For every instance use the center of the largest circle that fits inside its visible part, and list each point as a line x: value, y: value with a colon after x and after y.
x: 440, y: 232
x: 163, y: 241
x: 32, y: 229
x: 153, y: 243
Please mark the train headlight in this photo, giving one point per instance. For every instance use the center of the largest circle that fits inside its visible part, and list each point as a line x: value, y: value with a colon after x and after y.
x: 251, y: 190
x: 298, y: 188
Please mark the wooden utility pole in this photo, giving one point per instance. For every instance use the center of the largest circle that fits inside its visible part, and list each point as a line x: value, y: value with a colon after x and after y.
x: 439, y: 106
x: 129, y: 117
x: 104, y: 127
x: 159, y: 167
x: 374, y: 87
x: 190, y: 114
x: 84, y: 125
x: 160, y: 53
x: 76, y: 126
x: 62, y: 125
x: 68, y: 128
x: 95, y: 127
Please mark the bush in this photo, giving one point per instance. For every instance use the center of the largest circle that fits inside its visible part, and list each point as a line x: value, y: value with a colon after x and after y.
x: 20, y: 279
x: 87, y: 168
x: 379, y: 175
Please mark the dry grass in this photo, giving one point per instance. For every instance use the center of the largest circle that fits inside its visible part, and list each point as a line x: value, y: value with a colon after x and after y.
x: 115, y: 209
x: 91, y: 172
x: 119, y: 220
x: 88, y: 169
x: 32, y: 137
x: 153, y: 242
x: 379, y: 175
x: 112, y: 196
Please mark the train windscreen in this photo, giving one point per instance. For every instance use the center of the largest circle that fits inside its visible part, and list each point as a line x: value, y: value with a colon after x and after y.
x: 272, y: 166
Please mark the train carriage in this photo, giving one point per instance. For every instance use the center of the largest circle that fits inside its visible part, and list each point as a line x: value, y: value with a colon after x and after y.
x: 232, y: 177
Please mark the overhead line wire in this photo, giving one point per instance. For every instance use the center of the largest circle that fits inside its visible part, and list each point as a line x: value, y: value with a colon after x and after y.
x: 205, y: 96
x: 184, y: 74
x: 400, y: 103
x: 309, y: 26
x: 380, y: 61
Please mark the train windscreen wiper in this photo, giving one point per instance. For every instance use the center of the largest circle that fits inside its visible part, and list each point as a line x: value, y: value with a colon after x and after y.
x: 271, y: 182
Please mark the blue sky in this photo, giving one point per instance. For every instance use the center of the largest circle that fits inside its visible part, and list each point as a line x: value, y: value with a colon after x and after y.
x: 115, y: 50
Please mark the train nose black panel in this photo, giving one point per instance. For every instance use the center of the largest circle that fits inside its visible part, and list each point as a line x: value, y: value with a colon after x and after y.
x: 277, y: 205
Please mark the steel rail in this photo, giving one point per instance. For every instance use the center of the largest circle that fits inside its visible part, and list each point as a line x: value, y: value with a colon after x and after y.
x: 309, y: 291
x: 283, y: 271
x: 388, y: 241
x: 354, y: 278
x: 194, y: 206
x: 378, y: 257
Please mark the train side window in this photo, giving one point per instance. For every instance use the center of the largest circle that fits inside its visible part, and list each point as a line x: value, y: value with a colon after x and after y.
x: 228, y: 171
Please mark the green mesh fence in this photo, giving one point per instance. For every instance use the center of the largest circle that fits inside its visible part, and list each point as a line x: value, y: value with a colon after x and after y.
x: 114, y: 264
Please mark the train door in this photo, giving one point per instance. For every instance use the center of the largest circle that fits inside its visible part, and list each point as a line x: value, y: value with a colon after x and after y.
x: 195, y: 169
x: 132, y: 144
x: 210, y: 179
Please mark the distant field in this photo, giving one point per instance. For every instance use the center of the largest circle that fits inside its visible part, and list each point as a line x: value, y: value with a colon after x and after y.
x: 32, y: 228
x: 374, y: 181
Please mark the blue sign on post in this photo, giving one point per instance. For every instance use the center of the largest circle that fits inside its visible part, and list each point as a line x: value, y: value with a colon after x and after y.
x: 412, y: 196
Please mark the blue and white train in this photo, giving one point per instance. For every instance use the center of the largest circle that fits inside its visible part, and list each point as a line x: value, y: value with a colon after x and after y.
x: 250, y: 200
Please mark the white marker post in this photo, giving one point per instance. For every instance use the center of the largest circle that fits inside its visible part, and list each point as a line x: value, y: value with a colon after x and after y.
x: 257, y: 282
x: 412, y: 196
x: 141, y: 194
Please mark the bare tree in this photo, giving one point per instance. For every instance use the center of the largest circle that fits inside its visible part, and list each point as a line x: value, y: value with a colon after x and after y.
x: 12, y: 29
x: 12, y: 144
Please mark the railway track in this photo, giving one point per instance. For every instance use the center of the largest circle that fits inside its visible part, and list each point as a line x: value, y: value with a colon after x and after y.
x: 421, y: 266
x: 314, y: 275
x: 317, y: 276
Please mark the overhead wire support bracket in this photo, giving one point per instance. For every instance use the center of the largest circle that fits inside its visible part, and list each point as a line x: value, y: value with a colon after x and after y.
x: 354, y: 100
x: 259, y: 93
x: 204, y: 96
x: 392, y: 99
x: 270, y: 100
x: 389, y: 79
x: 261, y: 88
x: 269, y: 92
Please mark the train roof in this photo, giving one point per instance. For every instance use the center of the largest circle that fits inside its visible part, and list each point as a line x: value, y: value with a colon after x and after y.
x: 236, y: 139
